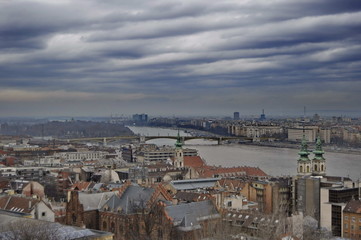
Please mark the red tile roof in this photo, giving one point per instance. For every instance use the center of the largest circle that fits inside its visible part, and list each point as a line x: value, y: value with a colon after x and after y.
x: 193, y: 161
x: 353, y: 206
x: 18, y: 204
x: 80, y: 186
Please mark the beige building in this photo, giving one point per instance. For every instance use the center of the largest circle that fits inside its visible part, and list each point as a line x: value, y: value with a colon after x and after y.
x: 352, y: 220
x: 310, y: 132
x: 254, y: 131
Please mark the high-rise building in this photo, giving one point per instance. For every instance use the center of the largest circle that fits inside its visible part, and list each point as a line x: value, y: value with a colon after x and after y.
x: 140, y: 118
x: 236, y: 116
x: 263, y: 116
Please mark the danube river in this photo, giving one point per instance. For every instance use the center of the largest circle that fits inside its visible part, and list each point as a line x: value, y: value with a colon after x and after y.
x: 274, y: 161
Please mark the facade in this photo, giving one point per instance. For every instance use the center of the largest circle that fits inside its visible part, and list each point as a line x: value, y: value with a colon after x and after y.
x: 333, y: 202
x: 82, y: 210
x: 308, y: 196
x: 352, y: 220
x: 82, y: 156
x: 254, y: 131
x: 38, y: 209
x: 310, y: 133
x: 272, y: 196
x: 135, y: 213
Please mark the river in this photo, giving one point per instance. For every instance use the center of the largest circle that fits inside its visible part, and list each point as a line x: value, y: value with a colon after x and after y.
x: 274, y: 161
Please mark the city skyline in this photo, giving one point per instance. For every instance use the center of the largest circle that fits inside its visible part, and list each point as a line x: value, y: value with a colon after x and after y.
x: 95, y: 58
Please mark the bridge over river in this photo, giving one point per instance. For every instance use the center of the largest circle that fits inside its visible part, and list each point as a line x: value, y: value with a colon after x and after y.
x: 143, y: 139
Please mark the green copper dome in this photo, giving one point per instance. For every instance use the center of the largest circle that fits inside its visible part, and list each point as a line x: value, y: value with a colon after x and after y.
x: 178, y: 143
x: 318, y: 150
x: 304, y: 151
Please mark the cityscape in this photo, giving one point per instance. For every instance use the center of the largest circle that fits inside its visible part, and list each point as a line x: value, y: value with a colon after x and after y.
x: 180, y: 120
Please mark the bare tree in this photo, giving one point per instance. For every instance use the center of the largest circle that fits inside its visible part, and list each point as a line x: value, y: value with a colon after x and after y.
x: 28, y: 229
x: 312, y: 231
x: 147, y: 222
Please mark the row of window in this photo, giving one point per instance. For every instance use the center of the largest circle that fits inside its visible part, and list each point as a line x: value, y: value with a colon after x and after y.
x: 352, y: 226
x: 352, y: 235
x: 353, y: 219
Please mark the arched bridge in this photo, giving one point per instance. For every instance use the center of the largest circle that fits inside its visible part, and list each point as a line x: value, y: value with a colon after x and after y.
x: 144, y: 139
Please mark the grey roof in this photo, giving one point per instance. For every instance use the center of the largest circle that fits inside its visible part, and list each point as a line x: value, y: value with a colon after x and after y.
x: 192, y: 184
x: 54, y: 231
x: 133, y: 197
x: 114, y: 185
x: 97, y: 186
x: 187, y: 216
x: 93, y: 201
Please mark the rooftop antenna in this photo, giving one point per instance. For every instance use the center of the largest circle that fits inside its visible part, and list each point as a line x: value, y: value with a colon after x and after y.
x: 304, y: 119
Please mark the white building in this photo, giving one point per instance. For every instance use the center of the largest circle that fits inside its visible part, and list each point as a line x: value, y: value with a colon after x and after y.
x: 310, y: 132
x: 78, y: 156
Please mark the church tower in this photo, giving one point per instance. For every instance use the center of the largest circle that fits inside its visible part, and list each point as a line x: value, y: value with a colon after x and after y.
x: 319, y: 162
x: 178, y: 158
x: 304, y: 165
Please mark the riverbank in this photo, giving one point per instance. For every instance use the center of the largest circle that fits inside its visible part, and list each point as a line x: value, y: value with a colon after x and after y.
x: 276, y: 159
x: 296, y: 145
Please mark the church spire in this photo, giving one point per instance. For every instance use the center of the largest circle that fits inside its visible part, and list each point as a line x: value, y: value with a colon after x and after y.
x: 304, y: 165
x: 304, y: 150
x: 178, y: 143
x: 319, y: 162
x: 179, y: 159
x: 318, y: 150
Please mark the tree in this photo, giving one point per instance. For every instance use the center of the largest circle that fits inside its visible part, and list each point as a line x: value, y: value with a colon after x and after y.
x: 28, y: 229
x: 146, y: 223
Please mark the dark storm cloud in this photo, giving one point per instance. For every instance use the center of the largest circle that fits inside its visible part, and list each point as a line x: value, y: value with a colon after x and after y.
x: 188, y: 54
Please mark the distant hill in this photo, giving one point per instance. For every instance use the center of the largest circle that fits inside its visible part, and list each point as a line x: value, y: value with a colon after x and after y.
x: 67, y: 129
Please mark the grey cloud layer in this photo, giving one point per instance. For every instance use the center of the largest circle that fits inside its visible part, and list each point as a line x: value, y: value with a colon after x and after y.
x: 215, y: 56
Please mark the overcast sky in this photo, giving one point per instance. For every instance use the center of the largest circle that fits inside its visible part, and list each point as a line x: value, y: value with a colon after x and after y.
x: 186, y: 57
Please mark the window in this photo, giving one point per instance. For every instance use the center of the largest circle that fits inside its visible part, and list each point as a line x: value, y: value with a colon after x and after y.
x: 43, y: 214
x: 353, y: 219
x: 229, y: 204
x: 112, y: 227
x: 346, y: 217
x: 352, y: 227
x: 346, y: 226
